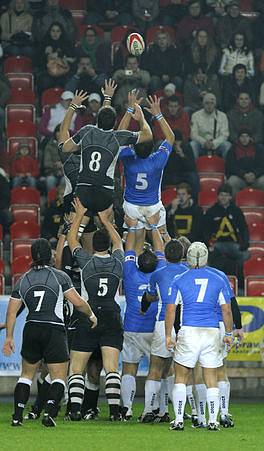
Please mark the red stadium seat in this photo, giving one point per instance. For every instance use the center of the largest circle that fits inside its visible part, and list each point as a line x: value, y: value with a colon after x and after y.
x: 2, y: 267
x: 14, y: 113
x: 254, y: 286
x: 209, y: 182
x: 52, y: 195
x: 20, y: 247
x: 24, y: 230
x: 25, y: 195
x: 1, y: 241
x: 13, y: 145
x: 211, y: 163
x: 250, y: 197
x: 22, y: 97
x: 207, y: 198
x: 256, y: 249
x: 254, y: 266
x: 117, y: 35
x: 2, y: 284
x: 51, y: 96
x: 17, y: 64
x: 256, y: 232
x: 168, y: 195
x: 234, y: 283
x: 25, y: 213
x: 73, y: 4
x: 21, y: 128
x: 21, y: 264
x: 21, y: 80
x: 254, y: 216
x: 78, y: 17
x: 152, y: 31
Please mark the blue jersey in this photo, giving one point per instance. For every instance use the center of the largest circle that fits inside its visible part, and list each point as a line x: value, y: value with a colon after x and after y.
x: 228, y: 287
x: 143, y: 175
x: 200, y: 291
x: 160, y: 282
x: 135, y: 284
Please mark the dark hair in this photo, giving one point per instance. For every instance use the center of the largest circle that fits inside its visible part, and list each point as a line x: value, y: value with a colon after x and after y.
x: 147, y: 261
x: 101, y: 240
x: 185, y: 242
x: 173, y: 251
x: 186, y: 186
x: 41, y: 252
x: 174, y: 99
x: 225, y: 188
x: 238, y: 67
x: 106, y: 118
x: 143, y: 150
x: 245, y: 47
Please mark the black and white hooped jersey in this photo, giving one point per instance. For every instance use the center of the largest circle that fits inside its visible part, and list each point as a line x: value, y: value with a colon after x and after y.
x: 42, y: 292
x: 71, y: 166
x: 99, y: 153
x: 100, y: 276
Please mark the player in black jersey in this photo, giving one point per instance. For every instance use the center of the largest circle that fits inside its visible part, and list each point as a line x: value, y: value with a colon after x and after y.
x: 44, y: 337
x: 101, y: 274
x: 99, y: 147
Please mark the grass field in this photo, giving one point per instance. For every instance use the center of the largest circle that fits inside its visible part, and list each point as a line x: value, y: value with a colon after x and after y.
x: 101, y: 435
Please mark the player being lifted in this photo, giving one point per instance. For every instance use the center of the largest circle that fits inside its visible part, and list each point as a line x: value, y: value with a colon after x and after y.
x: 44, y: 337
x: 199, y: 290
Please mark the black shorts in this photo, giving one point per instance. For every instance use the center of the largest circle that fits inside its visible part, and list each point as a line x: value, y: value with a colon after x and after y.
x: 95, y: 198
x: 67, y: 203
x: 108, y: 332
x: 44, y: 341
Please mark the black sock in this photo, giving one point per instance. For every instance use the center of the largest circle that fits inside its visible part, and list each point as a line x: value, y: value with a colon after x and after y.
x: 90, y: 400
x: 76, y: 391
x: 41, y: 399
x: 55, y: 394
x: 112, y: 391
x: 21, y: 396
x: 39, y: 383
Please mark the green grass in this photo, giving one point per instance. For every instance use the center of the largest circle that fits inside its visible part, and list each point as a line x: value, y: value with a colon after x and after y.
x: 100, y: 435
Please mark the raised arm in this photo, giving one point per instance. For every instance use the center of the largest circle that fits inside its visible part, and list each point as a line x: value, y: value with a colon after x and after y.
x: 154, y: 109
x: 64, y: 136
x: 108, y: 91
x: 145, y: 133
x: 131, y: 235
x: 132, y: 99
x: 156, y: 236
x: 72, y: 236
x: 114, y: 235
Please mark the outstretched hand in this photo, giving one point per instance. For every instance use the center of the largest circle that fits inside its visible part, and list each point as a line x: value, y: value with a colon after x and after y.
x: 80, y: 97
x: 154, y: 219
x: 133, y: 98
x: 109, y: 88
x: 153, y: 105
x: 138, y: 115
x: 78, y: 207
x: 107, y: 215
x: 130, y: 222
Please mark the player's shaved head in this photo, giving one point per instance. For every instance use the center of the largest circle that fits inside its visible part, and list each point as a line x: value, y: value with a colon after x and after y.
x: 147, y: 261
x: 41, y: 252
x: 173, y: 251
x: 101, y: 240
x: 185, y: 243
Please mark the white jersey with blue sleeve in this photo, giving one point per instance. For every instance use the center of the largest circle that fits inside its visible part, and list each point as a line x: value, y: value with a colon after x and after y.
x: 135, y: 284
x: 228, y: 287
x: 160, y: 282
x: 200, y: 291
x: 143, y: 175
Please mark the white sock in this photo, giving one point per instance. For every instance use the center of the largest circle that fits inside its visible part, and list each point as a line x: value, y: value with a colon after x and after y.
x: 213, y: 403
x: 152, y: 389
x: 128, y: 390
x: 191, y: 400
x: 201, y: 395
x: 228, y: 395
x: 179, y: 401
x: 224, y: 388
x: 163, y: 398
x: 170, y: 382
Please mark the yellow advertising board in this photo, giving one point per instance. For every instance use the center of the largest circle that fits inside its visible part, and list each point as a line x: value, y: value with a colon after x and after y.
x: 252, y: 347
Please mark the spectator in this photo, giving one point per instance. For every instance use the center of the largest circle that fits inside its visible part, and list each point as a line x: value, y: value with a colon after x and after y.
x: 184, y: 217
x: 245, y: 163
x: 193, y: 22
x: 131, y: 77
x: 54, y: 115
x: 145, y: 13
x: 209, y: 129
x: 24, y: 168
x: 176, y: 118
x: 203, y: 53
x: 166, y: 93
x: 4, y: 96
x: 16, y: 25
x: 233, y: 22
x: 52, y: 166
x: 94, y: 47
x: 226, y: 232
x: 244, y: 114
x: 164, y: 62
x: 94, y: 105
x: 5, y: 218
x: 237, y: 52
x: 117, y: 12
x: 86, y: 77
x: 52, y: 216
x: 53, y: 13
x: 232, y: 86
x: 258, y: 29
x: 181, y: 166
x: 195, y: 88
x: 217, y: 9
x: 172, y: 12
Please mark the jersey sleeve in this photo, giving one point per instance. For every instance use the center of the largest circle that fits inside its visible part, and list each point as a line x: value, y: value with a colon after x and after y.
x: 162, y: 154
x: 174, y: 294
x: 82, y: 256
x: 80, y: 134
x: 228, y: 286
x: 65, y: 282
x: 224, y: 295
x: 118, y: 254
x: 126, y: 137
x: 15, y: 294
x: 126, y: 152
x: 130, y: 263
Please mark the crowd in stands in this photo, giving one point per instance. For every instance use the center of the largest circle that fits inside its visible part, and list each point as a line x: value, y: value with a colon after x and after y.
x: 203, y: 58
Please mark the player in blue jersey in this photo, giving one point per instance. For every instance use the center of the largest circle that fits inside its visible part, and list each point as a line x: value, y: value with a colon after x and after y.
x: 161, y: 358
x: 138, y: 329
x: 200, y: 291
x: 143, y: 171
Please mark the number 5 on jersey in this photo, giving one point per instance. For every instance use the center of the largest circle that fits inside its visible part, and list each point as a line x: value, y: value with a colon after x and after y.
x: 103, y: 287
x: 142, y: 182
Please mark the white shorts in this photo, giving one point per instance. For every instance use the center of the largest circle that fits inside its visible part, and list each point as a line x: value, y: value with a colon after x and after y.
x: 224, y: 352
x: 140, y: 213
x: 198, y: 344
x: 158, y: 345
x: 135, y: 346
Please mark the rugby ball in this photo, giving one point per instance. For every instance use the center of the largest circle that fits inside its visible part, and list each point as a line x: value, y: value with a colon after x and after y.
x: 135, y: 44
